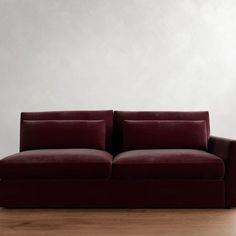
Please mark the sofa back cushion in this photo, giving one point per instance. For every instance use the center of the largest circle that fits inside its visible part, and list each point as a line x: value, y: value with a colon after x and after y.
x: 121, y: 116
x: 47, y: 134
x: 69, y: 129
x: 164, y: 134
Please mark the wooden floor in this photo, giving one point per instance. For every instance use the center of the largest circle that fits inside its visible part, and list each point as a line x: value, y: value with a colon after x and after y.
x: 163, y: 222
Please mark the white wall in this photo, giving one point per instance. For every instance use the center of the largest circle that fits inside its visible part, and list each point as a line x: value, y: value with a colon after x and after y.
x: 117, y: 54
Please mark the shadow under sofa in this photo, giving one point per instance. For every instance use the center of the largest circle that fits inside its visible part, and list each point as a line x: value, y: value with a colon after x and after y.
x: 121, y: 159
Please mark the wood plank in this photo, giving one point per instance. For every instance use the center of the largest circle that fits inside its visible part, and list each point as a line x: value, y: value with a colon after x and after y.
x: 104, y: 222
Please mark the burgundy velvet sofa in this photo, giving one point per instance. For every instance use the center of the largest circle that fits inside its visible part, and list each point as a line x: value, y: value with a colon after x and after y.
x: 121, y: 159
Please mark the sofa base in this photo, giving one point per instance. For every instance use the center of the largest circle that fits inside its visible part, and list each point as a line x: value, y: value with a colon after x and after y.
x: 68, y: 193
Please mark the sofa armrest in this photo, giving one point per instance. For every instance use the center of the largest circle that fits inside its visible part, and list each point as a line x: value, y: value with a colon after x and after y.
x: 226, y: 149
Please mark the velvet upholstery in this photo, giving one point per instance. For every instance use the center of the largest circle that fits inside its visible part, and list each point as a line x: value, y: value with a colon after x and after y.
x: 106, y: 115
x: 112, y: 193
x: 139, y: 178
x: 57, y: 163
x: 51, y: 134
x: 159, y: 134
x: 226, y: 149
x: 120, y: 116
x: 167, y: 164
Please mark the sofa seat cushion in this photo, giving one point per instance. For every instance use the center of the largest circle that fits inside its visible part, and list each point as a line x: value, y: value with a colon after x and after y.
x: 57, y: 163
x: 167, y: 163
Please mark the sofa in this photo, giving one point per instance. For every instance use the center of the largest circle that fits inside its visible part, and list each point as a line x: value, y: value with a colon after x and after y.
x: 120, y: 159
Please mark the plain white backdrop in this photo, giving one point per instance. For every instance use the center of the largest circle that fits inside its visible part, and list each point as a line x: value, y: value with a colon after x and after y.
x: 117, y: 54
